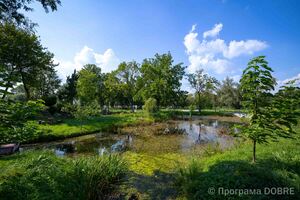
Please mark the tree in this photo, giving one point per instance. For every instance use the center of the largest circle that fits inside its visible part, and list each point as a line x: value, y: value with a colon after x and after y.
x: 201, y: 83
x: 68, y: 92
x: 84, y: 112
x: 10, y: 10
x: 23, y: 59
x: 160, y: 79
x: 112, y: 89
x: 270, y: 116
x: 47, y: 83
x: 100, y: 93
x: 229, y: 93
x: 87, y: 86
x: 128, y: 73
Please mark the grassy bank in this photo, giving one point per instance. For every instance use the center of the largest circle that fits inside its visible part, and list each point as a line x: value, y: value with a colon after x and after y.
x: 278, y: 165
x: 42, y: 175
x: 74, y: 127
x: 121, y: 118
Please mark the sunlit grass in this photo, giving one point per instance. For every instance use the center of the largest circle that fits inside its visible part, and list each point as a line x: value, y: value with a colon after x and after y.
x: 278, y: 165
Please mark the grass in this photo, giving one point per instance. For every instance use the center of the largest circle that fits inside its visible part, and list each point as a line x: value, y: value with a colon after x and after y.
x: 42, y: 175
x: 74, y: 127
x: 278, y: 165
x: 119, y: 118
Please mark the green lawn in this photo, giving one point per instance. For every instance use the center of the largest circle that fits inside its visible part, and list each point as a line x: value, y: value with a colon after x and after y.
x: 278, y: 165
x: 75, y: 127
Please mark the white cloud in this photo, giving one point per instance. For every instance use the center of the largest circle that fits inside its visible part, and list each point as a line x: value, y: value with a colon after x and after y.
x: 297, y: 78
x: 214, y: 54
x: 213, y: 32
x: 108, y: 61
x: 248, y: 47
x: 84, y: 56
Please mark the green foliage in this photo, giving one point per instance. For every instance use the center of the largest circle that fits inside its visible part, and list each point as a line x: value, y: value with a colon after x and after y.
x: 151, y: 105
x: 128, y: 73
x: 23, y: 59
x: 42, y: 175
x: 10, y: 10
x: 270, y: 116
x: 14, y: 126
x: 87, y: 86
x: 229, y: 94
x: 160, y: 79
x: 192, y: 107
x: 202, y: 83
x: 68, y: 92
x: 50, y: 100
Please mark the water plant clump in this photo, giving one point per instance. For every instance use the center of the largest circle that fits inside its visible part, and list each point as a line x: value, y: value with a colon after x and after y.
x: 42, y: 175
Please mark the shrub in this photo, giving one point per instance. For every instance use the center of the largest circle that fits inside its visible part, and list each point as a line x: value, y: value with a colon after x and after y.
x: 37, y: 175
x: 50, y: 100
x: 151, y: 105
x: 14, y: 117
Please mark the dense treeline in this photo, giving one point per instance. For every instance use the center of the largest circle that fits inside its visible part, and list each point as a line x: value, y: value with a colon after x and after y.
x: 28, y: 73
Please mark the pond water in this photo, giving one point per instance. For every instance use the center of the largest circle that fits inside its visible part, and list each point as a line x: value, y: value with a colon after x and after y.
x: 170, y: 137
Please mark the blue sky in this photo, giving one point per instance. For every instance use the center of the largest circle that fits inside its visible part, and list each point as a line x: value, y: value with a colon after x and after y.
x: 107, y: 32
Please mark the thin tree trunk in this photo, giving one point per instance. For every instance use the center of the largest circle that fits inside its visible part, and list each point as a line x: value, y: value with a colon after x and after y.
x: 27, y: 92
x: 254, y: 151
x: 131, y: 106
x: 199, y: 103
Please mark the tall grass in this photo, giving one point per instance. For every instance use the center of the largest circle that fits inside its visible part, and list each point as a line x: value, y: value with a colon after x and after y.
x: 278, y: 165
x: 41, y: 175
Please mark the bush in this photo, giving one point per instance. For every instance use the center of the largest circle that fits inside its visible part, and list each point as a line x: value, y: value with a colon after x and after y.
x: 14, y: 120
x: 42, y: 175
x: 151, y: 105
x: 50, y: 100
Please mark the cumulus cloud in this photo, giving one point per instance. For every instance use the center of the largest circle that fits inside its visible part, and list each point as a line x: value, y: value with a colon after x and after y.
x: 108, y: 61
x: 248, y: 47
x: 282, y: 82
x: 213, y: 32
x: 215, y: 54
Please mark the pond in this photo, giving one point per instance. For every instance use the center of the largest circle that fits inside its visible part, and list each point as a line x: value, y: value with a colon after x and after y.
x: 170, y: 137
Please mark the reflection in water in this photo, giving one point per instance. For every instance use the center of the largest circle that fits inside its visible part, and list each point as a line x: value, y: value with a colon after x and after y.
x: 194, y: 133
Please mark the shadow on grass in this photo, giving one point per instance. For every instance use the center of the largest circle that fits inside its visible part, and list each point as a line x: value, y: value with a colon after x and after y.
x: 195, y: 183
x: 159, y: 185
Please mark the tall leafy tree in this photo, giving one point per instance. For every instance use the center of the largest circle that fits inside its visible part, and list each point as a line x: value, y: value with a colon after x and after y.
x: 229, y: 93
x: 11, y: 10
x: 128, y: 73
x: 47, y: 84
x: 201, y: 83
x: 100, y: 93
x: 160, y: 79
x: 112, y: 88
x: 23, y: 59
x: 67, y: 92
x: 87, y: 86
x: 270, y: 116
